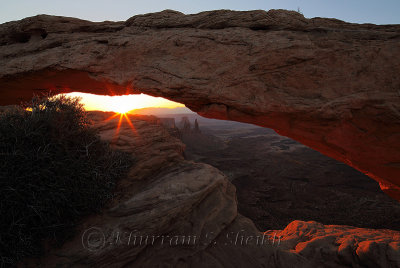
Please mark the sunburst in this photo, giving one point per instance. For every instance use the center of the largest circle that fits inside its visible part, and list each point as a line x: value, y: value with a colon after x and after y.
x: 122, y: 104
x: 121, y: 117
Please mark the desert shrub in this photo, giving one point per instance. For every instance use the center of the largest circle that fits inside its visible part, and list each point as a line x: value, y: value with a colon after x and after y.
x: 54, y: 169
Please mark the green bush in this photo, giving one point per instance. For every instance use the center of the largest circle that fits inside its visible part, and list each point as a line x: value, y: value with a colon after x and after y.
x: 54, y: 169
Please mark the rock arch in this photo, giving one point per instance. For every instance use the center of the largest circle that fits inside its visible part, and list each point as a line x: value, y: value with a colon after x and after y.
x: 331, y: 85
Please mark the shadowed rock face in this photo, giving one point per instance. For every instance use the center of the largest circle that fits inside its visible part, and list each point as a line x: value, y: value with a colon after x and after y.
x: 167, y: 212
x: 166, y: 199
x: 328, y: 84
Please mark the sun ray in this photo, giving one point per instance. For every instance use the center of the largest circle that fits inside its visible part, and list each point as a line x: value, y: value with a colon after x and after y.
x: 131, y: 125
x: 116, y: 134
x: 122, y: 104
x: 111, y: 117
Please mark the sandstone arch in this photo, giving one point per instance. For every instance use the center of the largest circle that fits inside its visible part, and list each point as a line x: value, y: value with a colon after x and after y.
x: 331, y: 85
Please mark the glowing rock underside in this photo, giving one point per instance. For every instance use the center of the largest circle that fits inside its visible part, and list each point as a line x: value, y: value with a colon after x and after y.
x: 331, y: 85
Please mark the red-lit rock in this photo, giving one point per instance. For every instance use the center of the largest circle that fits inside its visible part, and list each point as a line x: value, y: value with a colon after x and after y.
x: 331, y: 85
x: 335, y: 245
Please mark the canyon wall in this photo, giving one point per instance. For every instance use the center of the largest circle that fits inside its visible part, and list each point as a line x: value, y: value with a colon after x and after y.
x: 331, y: 85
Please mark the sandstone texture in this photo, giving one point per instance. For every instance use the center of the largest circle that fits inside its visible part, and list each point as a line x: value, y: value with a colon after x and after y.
x: 340, y: 246
x: 149, y: 222
x: 331, y: 85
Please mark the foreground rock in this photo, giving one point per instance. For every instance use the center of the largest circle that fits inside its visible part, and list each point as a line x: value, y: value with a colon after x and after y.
x: 170, y: 212
x: 328, y: 84
x: 338, y: 246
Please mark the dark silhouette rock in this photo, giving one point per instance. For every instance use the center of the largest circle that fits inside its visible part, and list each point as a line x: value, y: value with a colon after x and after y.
x: 184, y: 125
x: 196, y: 128
x: 168, y: 122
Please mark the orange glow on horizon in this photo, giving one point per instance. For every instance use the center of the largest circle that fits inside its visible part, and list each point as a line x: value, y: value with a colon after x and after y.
x: 122, y: 104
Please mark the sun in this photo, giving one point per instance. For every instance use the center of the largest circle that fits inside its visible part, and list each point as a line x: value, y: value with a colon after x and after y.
x: 122, y: 104
x: 122, y: 108
x: 123, y: 117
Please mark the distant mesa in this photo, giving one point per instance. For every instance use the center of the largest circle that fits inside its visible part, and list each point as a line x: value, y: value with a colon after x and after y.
x: 168, y: 123
x: 185, y: 125
x: 182, y: 129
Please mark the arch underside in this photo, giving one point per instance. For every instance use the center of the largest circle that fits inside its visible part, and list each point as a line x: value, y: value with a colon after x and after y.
x: 330, y: 85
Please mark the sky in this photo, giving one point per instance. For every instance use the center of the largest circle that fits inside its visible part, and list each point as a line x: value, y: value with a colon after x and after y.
x: 358, y: 11
x: 122, y: 104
